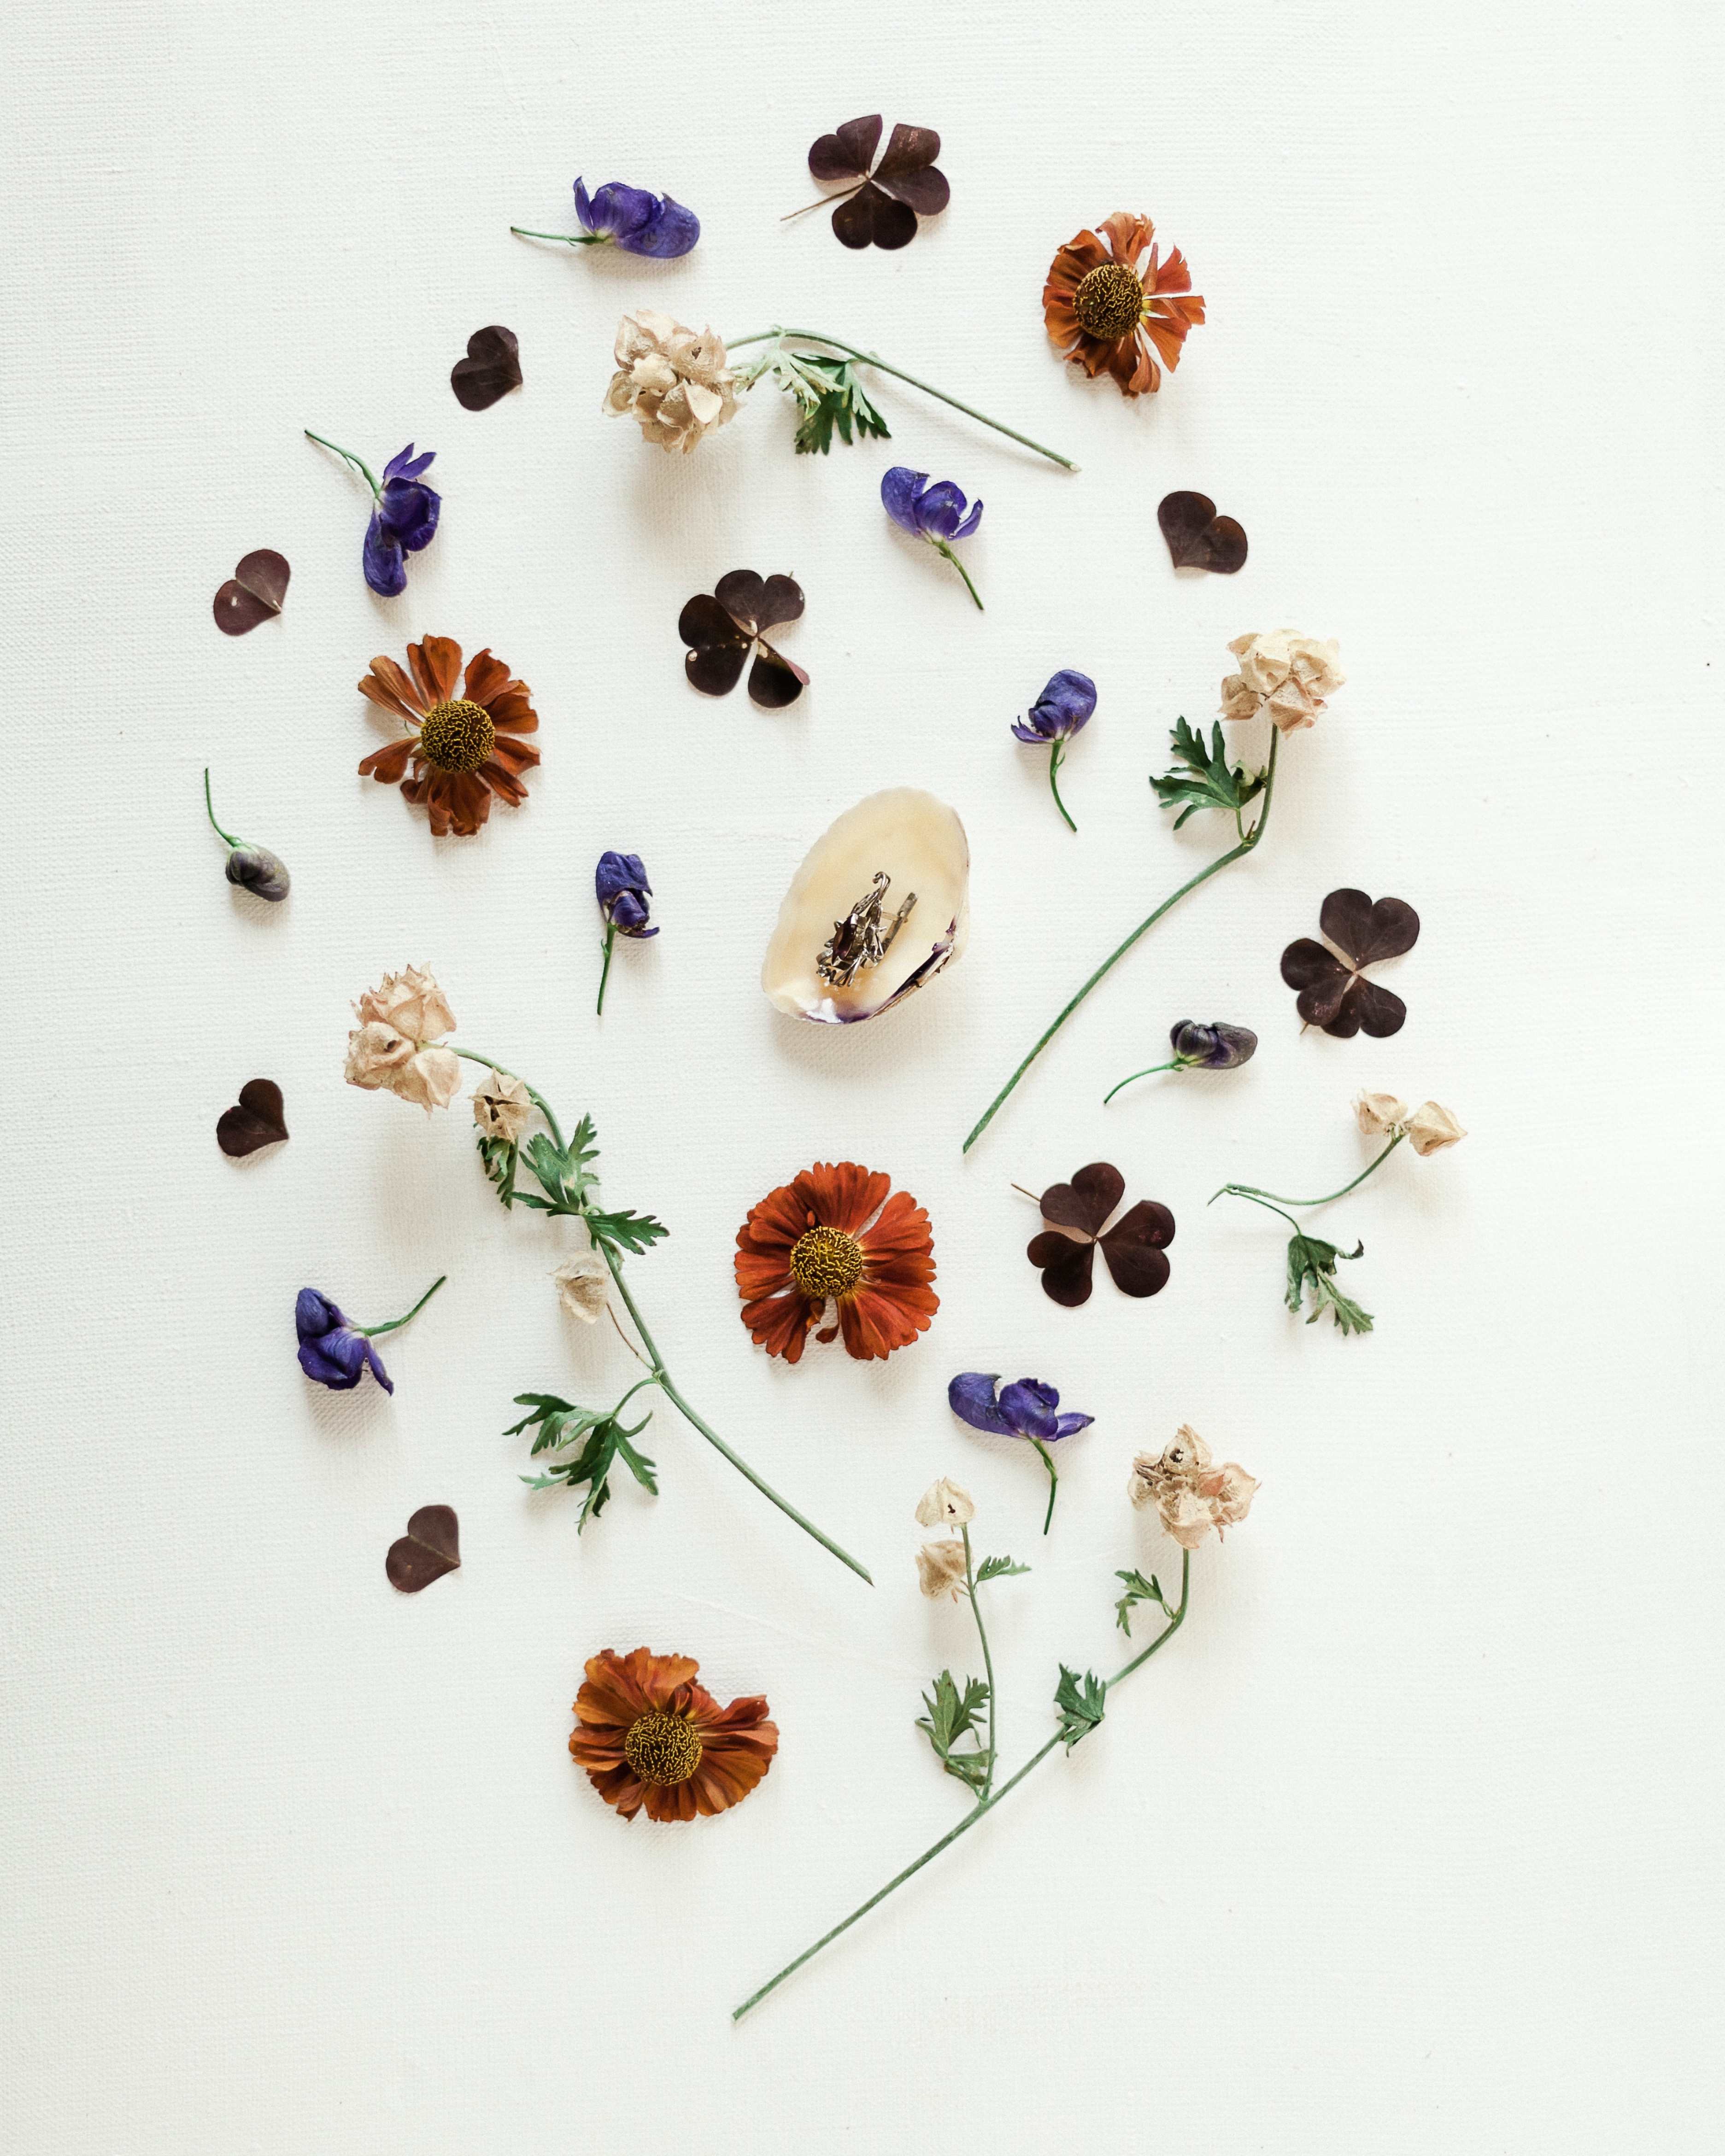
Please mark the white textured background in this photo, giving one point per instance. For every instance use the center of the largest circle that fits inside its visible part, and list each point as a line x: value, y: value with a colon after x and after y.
x: 1410, y: 1842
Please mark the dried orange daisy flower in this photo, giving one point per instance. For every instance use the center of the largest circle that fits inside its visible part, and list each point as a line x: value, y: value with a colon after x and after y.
x: 463, y: 748
x: 1106, y: 308
x: 651, y: 1739
x: 834, y: 1236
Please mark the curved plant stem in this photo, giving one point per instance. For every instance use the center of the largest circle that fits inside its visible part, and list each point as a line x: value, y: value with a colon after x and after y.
x: 371, y: 478
x: 1054, y: 1482
x: 395, y: 1324
x: 941, y: 547
x: 976, y: 1611
x: 1179, y: 1063
x: 605, y: 970
x: 1055, y: 751
x: 822, y: 202
x: 928, y: 389
x: 210, y: 811
x: 970, y: 1819
x: 568, y: 239
x: 661, y: 1376
x: 1251, y: 1189
x: 1222, y: 860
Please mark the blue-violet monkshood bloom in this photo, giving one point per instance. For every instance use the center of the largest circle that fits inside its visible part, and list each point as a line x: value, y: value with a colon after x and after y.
x: 1064, y: 708
x: 621, y: 886
x: 1026, y: 1410
x: 335, y: 1351
x: 628, y: 219
x: 404, y: 514
x: 935, y: 513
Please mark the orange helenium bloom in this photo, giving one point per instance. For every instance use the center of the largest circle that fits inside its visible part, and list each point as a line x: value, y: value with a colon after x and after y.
x: 834, y: 1235
x: 1107, y: 308
x: 463, y: 747
x: 651, y: 1739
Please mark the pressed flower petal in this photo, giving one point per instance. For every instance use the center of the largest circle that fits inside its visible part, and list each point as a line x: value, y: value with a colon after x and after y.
x: 1065, y: 1266
x: 971, y: 1396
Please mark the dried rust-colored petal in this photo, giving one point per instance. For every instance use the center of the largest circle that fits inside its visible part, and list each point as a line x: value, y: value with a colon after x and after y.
x: 1196, y: 537
x: 256, y: 1122
x: 431, y: 1547
x: 255, y: 593
x: 490, y: 370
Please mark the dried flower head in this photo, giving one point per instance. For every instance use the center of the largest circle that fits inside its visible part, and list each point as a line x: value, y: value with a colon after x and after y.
x: 1108, y: 310
x: 838, y: 1242
x: 1191, y: 1495
x: 940, y: 1569
x: 583, y: 1283
x: 946, y: 1504
x: 394, y: 1051
x: 636, y: 221
x: 502, y: 1106
x: 1431, y: 1128
x: 463, y: 742
x: 652, y: 1739
x: 1285, y: 673
x: 672, y: 381
x: 1379, y: 1114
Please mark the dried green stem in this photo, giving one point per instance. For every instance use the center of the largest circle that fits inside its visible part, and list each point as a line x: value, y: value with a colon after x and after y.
x: 1251, y: 1189
x: 371, y: 477
x: 395, y: 1324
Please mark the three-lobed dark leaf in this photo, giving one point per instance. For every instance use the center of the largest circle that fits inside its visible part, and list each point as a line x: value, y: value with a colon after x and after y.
x: 1133, y: 1248
x: 905, y: 185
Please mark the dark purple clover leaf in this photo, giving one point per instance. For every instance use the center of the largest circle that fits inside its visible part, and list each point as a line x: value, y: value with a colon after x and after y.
x: 1198, y: 538
x: 908, y: 173
x: 717, y: 647
x: 756, y: 603
x: 490, y: 370
x: 723, y: 627
x: 1320, y: 976
x: 254, y: 591
x: 848, y: 152
x: 1066, y: 1264
x: 257, y: 1121
x: 882, y: 211
x: 1367, y: 933
x: 1132, y: 1249
x: 1087, y: 1201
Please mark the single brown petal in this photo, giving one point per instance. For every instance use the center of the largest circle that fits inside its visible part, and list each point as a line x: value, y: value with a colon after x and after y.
x: 1368, y: 932
x: 774, y: 680
x: 781, y: 601
x: 716, y: 669
x: 871, y: 218
x: 390, y: 673
x: 1196, y: 537
x: 386, y: 764
x: 256, y: 1122
x: 254, y: 591
x: 1087, y: 1201
x: 1133, y: 1248
x: 741, y: 593
x: 490, y: 370
x: 1320, y: 976
x: 431, y: 1547
x: 1366, y: 1008
x: 1065, y: 1266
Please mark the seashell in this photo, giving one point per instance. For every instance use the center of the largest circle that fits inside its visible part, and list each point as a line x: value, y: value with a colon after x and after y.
x: 846, y: 945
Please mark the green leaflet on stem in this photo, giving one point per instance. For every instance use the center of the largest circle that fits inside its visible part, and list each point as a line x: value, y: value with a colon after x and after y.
x: 1233, y: 795
x: 1312, y: 1262
x: 567, y: 1176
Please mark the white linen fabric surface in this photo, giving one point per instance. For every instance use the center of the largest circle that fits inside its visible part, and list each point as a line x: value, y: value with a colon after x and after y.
x: 1409, y: 1840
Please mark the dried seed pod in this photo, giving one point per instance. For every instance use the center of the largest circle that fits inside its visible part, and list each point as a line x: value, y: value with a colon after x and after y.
x: 255, y: 869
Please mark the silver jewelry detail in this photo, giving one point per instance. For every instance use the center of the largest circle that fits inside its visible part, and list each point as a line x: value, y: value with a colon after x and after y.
x: 860, y: 941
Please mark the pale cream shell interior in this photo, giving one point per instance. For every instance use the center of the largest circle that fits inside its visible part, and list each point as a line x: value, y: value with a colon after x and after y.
x: 920, y: 843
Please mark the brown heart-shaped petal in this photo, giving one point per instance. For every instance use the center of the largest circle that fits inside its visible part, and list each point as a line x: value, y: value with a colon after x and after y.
x: 1366, y: 1008
x: 430, y: 1547
x: 1087, y: 1201
x: 847, y: 154
x: 490, y: 370
x: 1366, y: 932
x: 252, y: 593
x: 1067, y: 1266
x: 870, y: 218
x: 1132, y: 1249
x: 256, y: 1122
x: 1196, y: 537
x: 774, y: 680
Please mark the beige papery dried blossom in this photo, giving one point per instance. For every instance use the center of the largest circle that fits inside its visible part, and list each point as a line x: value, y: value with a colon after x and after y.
x: 1191, y: 1494
x: 1284, y: 673
x: 502, y: 1108
x: 672, y: 381
x: 946, y: 1504
x: 393, y: 1049
x: 584, y: 1284
x: 1431, y: 1128
x: 940, y: 1569
x: 1379, y: 1114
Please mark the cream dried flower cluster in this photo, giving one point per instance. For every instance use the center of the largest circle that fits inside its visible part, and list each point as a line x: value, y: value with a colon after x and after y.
x: 672, y: 381
x: 1284, y: 673
x: 502, y: 1108
x: 941, y: 1566
x: 1428, y: 1128
x: 394, y: 1048
x: 1190, y: 1494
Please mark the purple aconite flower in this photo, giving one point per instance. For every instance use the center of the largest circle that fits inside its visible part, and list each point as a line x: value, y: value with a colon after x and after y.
x: 332, y: 1351
x: 1217, y: 1047
x: 1026, y: 1410
x: 621, y: 886
x: 403, y: 517
x: 935, y: 513
x: 1062, y: 710
x: 636, y: 221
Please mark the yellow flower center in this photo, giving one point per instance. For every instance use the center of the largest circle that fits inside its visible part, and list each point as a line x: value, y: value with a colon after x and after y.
x: 826, y: 1261
x: 457, y: 737
x: 663, y: 1749
x: 1110, y: 301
